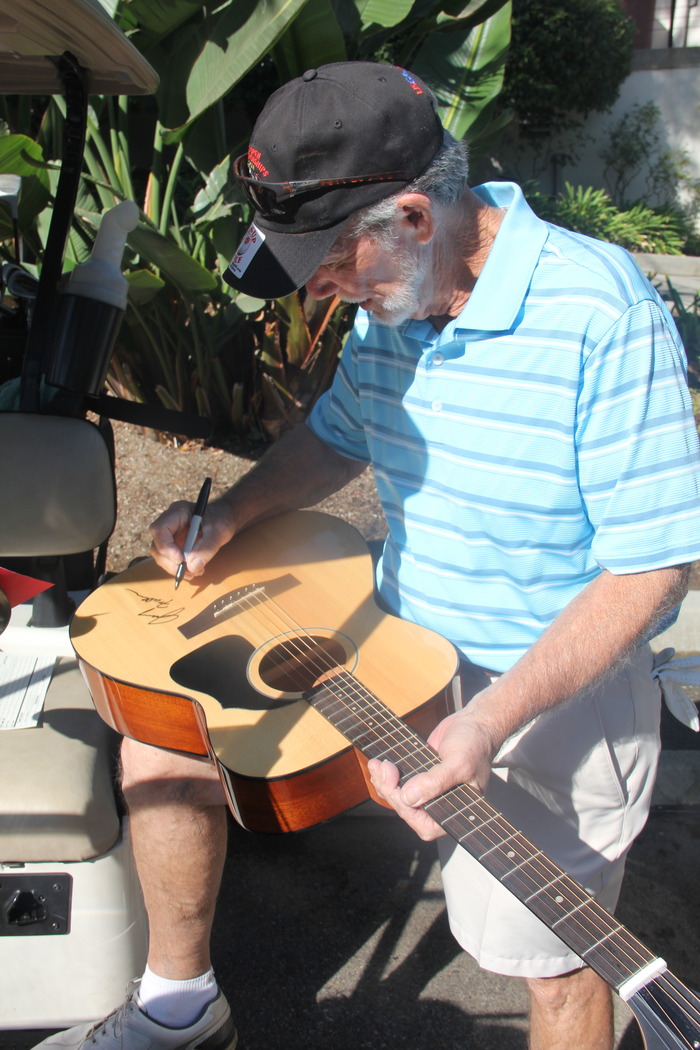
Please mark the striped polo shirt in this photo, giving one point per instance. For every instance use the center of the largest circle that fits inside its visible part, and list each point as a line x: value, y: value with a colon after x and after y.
x: 545, y: 433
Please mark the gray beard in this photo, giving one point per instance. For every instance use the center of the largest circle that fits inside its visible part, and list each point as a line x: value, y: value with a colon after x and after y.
x: 403, y: 302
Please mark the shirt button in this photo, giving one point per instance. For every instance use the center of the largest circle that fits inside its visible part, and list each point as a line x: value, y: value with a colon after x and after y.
x: 437, y: 405
x: 438, y: 358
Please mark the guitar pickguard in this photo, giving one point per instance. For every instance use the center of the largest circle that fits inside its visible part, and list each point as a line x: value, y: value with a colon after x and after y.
x: 280, y: 671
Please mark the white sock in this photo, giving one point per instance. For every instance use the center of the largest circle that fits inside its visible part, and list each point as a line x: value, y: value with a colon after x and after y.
x: 176, y: 1004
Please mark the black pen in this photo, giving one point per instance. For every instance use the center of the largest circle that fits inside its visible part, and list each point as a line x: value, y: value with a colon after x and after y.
x: 199, y: 509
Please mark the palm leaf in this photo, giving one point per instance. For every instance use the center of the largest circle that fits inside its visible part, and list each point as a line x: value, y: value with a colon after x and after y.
x: 218, y: 53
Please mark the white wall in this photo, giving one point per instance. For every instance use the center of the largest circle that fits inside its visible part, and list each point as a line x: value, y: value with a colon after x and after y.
x: 675, y: 91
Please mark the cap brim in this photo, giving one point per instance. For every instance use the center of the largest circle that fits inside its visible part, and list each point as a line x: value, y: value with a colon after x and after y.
x: 269, y: 264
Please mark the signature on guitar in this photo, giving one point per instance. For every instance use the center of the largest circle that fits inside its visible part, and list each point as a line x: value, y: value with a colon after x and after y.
x: 159, y: 611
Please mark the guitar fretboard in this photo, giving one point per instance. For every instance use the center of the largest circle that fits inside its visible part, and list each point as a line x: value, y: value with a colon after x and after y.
x: 555, y: 898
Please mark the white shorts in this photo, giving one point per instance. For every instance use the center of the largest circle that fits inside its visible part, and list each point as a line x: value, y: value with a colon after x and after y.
x: 578, y: 783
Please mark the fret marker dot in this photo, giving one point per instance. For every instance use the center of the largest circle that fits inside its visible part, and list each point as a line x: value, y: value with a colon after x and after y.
x: 559, y: 899
x: 510, y: 853
x: 472, y: 817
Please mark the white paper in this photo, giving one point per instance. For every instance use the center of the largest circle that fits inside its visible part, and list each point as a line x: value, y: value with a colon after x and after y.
x: 24, y: 681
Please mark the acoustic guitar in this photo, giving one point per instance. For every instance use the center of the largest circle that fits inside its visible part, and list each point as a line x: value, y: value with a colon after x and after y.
x: 273, y: 665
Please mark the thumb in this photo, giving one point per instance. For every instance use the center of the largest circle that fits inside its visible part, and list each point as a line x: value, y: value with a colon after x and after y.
x: 436, y: 781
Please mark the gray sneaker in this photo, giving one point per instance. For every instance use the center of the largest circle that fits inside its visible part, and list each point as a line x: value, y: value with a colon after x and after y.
x: 129, y: 1028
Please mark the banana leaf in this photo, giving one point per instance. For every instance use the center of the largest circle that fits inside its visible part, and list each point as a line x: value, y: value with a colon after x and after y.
x: 465, y: 68
x: 184, y: 271
x: 214, y: 54
x: 313, y: 39
x: 387, y: 13
x: 20, y: 155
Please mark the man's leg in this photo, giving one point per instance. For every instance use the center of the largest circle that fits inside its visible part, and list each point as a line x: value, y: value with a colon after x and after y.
x: 579, y: 784
x: 571, y: 1012
x: 177, y: 817
x: 178, y: 828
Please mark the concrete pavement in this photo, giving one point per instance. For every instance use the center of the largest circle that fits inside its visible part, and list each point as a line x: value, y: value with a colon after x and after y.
x: 337, y: 938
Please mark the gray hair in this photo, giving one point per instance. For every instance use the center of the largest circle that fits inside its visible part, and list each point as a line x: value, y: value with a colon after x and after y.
x: 444, y: 181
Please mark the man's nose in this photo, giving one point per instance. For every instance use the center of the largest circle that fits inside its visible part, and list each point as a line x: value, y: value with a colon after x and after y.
x: 321, y: 284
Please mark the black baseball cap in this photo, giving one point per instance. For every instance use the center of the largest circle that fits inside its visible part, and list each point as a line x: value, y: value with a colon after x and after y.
x: 334, y: 140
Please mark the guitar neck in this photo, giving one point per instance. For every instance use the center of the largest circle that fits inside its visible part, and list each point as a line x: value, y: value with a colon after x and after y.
x: 587, y: 928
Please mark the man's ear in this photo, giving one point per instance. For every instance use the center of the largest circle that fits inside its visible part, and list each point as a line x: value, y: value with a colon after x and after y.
x: 417, y: 214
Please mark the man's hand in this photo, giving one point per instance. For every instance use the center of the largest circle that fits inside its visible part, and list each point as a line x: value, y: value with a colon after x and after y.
x: 466, y: 748
x: 588, y: 639
x: 297, y: 471
x: 169, y: 532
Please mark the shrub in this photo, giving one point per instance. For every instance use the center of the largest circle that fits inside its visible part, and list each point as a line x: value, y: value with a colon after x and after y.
x: 592, y: 211
x: 567, y: 58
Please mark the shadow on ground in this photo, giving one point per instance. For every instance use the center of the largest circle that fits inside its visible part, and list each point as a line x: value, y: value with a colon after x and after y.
x: 337, y: 937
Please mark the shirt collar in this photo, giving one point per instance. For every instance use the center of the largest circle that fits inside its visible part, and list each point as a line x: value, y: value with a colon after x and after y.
x: 502, y: 284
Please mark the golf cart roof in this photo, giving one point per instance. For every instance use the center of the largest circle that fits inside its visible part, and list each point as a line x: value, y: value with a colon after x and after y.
x: 34, y: 31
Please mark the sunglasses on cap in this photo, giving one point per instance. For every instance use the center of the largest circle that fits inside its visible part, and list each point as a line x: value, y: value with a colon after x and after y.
x: 268, y: 197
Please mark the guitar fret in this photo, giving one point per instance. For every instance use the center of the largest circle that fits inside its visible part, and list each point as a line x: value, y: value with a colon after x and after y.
x: 473, y: 833
x: 498, y: 845
x: 601, y: 940
x: 542, y: 889
x: 618, y: 958
x: 570, y: 915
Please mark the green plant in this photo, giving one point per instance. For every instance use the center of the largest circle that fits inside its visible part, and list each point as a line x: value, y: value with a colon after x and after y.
x: 635, y: 150
x: 591, y: 211
x: 187, y: 340
x: 686, y: 314
x: 567, y: 59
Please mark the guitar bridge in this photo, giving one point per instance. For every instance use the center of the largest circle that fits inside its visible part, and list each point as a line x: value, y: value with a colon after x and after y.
x: 229, y: 605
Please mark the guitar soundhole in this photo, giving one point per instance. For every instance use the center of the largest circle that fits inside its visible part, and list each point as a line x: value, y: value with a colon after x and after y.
x: 295, y: 665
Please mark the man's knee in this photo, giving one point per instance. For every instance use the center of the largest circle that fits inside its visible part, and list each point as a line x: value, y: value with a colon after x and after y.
x: 150, y: 773
x: 569, y: 990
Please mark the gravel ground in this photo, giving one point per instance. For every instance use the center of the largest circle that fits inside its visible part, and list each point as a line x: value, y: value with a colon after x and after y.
x: 152, y: 474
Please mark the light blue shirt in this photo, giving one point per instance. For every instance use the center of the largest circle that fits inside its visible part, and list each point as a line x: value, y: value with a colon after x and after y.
x: 545, y: 433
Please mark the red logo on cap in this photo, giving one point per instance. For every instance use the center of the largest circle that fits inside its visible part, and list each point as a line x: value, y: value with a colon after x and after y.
x: 255, y: 161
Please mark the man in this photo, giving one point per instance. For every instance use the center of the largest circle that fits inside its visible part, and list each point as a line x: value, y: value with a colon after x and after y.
x: 520, y: 393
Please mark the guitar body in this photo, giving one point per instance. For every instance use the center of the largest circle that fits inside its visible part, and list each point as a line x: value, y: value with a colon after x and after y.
x: 214, y: 669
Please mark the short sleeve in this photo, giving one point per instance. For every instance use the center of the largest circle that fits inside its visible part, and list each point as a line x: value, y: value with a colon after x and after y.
x: 637, y: 446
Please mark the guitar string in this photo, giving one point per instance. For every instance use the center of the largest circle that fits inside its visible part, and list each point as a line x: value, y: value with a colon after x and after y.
x: 674, y: 990
x: 681, y: 1000
x: 292, y: 643
x: 295, y: 648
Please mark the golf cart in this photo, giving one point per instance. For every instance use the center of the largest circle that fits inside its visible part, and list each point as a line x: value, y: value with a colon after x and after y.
x: 72, y: 922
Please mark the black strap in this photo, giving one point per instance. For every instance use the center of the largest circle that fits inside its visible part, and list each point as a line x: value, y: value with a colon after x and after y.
x: 154, y: 416
x: 74, y: 79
